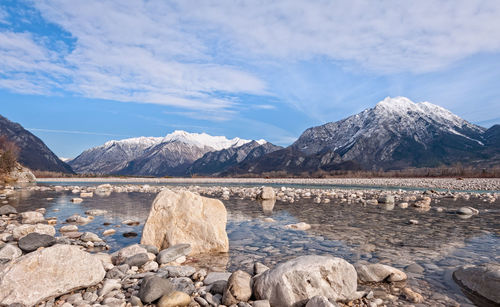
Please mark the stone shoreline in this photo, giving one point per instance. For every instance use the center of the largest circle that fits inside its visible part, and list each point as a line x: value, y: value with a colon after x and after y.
x: 139, y: 274
x: 465, y: 184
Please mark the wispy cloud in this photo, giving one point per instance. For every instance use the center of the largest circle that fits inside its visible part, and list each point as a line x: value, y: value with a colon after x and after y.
x: 75, y: 132
x: 200, y: 55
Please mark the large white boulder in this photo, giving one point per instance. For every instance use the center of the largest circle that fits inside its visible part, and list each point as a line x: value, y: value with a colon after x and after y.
x: 47, y: 273
x: 294, y: 282
x: 185, y: 217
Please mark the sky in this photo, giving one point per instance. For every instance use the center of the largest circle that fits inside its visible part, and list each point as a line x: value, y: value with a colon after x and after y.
x: 79, y: 73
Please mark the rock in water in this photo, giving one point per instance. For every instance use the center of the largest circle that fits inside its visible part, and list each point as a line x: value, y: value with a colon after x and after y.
x: 266, y: 193
x: 480, y: 283
x: 379, y: 272
x: 294, y: 282
x: 185, y: 217
x: 46, y: 273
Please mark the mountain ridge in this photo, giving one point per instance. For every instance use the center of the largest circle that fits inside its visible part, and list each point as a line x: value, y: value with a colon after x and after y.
x: 33, y: 154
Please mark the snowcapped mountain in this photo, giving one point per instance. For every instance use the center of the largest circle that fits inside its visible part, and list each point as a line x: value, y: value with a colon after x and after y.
x: 396, y: 133
x: 151, y: 156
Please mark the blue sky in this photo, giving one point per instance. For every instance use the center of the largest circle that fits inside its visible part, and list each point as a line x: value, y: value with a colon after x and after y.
x: 79, y: 73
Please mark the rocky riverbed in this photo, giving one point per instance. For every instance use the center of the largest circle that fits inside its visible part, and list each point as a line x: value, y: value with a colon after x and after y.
x: 421, y: 236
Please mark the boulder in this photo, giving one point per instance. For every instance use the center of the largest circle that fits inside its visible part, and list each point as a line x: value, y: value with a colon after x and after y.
x: 266, y: 193
x: 294, y: 282
x: 24, y: 230
x: 480, y: 283
x: 46, y: 273
x: 152, y: 288
x: 7, y: 209
x: 185, y: 217
x: 238, y: 288
x: 33, y: 241
x: 378, y: 272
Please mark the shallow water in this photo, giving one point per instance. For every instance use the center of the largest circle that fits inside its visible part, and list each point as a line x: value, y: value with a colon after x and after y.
x: 439, y: 243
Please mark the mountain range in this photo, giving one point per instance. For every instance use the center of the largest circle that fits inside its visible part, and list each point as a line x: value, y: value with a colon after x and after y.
x: 395, y: 134
x: 173, y: 155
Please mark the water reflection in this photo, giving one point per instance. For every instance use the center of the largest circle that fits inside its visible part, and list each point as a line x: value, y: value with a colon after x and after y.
x: 267, y: 206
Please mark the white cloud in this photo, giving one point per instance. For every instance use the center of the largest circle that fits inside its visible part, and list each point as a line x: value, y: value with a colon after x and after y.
x: 386, y: 36
x: 196, y: 54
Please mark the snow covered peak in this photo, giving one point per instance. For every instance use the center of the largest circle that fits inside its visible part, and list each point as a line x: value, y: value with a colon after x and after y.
x: 203, y: 139
x: 402, y: 106
x: 143, y: 141
x: 396, y: 104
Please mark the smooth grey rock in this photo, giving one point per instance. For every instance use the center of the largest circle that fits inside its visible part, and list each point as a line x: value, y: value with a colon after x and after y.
x: 150, y: 248
x: 216, y: 276
x: 7, y: 209
x: 137, y: 260
x: 152, y: 288
x: 481, y: 283
x: 34, y: 240
x: 378, y: 272
x: 179, y: 271
x: 96, y: 212
x: 172, y: 253
x: 183, y: 284
x: 294, y: 282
